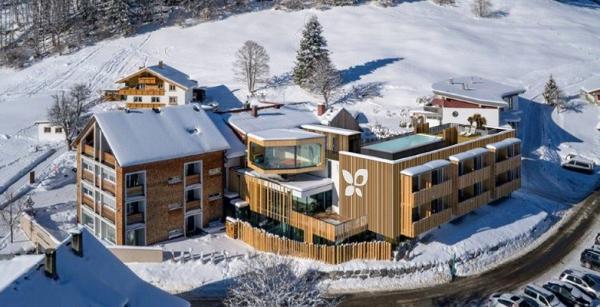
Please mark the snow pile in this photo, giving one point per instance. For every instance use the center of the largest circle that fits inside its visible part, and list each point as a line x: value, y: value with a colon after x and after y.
x: 18, y: 155
x: 98, y: 278
x: 60, y: 173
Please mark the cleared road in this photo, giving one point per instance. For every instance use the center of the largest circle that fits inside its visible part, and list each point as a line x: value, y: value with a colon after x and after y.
x: 506, y: 277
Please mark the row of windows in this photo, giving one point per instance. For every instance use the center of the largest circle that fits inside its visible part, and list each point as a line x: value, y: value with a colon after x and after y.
x: 106, y: 174
x: 142, y: 86
x: 56, y: 129
x: 155, y: 99
x: 103, y: 229
x: 101, y: 198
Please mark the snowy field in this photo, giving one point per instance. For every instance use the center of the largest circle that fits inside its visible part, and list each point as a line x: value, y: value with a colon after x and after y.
x: 388, y: 58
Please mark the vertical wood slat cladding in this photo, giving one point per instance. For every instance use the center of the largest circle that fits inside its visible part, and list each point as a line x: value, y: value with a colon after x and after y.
x: 471, y: 204
x: 386, y: 197
x: 474, y: 177
x: 434, y: 192
x: 508, y: 164
x: 430, y: 222
x: 266, y: 242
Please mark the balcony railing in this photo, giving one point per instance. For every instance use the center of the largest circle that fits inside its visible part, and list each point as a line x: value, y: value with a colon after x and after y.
x: 108, y: 158
x: 135, y: 191
x: 473, y: 177
x: 193, y: 205
x: 508, y: 187
x: 144, y: 92
x: 434, y: 192
x: 330, y: 230
x: 109, y: 214
x: 431, y: 222
x: 108, y: 186
x: 88, y: 150
x: 192, y: 179
x: 135, y: 218
x: 147, y: 80
x: 472, y: 203
x: 508, y: 164
x: 88, y: 176
x: 87, y: 201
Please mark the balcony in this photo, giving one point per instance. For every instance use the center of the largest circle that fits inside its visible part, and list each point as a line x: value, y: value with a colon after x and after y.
x: 88, y: 150
x: 472, y: 203
x: 147, y: 80
x: 193, y: 205
x: 431, y: 222
x: 508, y: 187
x: 434, y: 192
x: 192, y: 179
x: 330, y: 226
x: 108, y: 214
x: 474, y: 177
x: 86, y: 200
x: 135, y: 191
x: 108, y: 159
x: 135, y: 218
x: 108, y: 186
x: 87, y: 176
x: 507, y: 164
x: 144, y: 92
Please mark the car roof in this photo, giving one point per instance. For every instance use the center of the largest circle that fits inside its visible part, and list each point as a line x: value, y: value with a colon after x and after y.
x: 573, y: 272
x: 593, y: 251
x: 539, y: 289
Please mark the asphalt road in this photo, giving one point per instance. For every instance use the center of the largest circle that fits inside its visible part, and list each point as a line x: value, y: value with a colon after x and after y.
x: 508, y: 276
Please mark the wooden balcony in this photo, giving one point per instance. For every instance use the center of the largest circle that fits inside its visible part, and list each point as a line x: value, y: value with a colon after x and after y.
x: 144, y: 92
x: 431, y: 222
x: 87, y: 176
x: 427, y: 195
x: 108, y: 186
x: 193, y: 205
x: 147, y: 80
x: 145, y: 105
x: 109, y: 159
x: 508, y: 164
x: 327, y: 225
x: 88, y: 150
x: 108, y: 214
x: 135, y: 191
x: 472, y: 203
x: 86, y: 200
x: 135, y: 218
x: 505, y: 189
x: 473, y: 177
x: 192, y: 179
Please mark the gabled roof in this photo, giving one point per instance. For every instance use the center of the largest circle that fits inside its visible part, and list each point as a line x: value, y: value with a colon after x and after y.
x: 97, y: 278
x: 591, y: 85
x: 143, y: 136
x: 287, y: 116
x: 166, y: 72
x: 476, y: 90
x: 236, y: 147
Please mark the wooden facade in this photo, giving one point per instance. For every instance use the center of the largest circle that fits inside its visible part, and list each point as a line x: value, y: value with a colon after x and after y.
x: 334, y: 143
x: 387, y: 198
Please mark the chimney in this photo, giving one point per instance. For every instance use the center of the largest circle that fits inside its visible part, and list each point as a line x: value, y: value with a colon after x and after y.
x: 254, y: 111
x: 50, y: 263
x: 320, y: 109
x: 161, y: 64
x: 77, y: 243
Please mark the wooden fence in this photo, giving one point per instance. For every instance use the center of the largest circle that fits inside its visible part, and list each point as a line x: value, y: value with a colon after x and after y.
x: 266, y: 242
x: 36, y: 233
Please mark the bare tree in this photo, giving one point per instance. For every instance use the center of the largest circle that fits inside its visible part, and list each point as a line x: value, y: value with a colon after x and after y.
x: 481, y: 8
x: 444, y: 2
x: 252, y: 65
x: 325, y: 80
x: 271, y: 281
x: 68, y: 108
x: 11, y: 213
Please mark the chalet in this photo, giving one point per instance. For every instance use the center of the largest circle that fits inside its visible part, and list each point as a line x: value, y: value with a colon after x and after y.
x: 590, y: 90
x: 79, y: 272
x: 149, y: 175
x: 157, y: 86
x: 49, y: 133
x: 460, y: 98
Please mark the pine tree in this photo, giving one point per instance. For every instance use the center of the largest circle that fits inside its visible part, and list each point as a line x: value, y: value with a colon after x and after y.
x: 115, y: 17
x: 313, y: 49
x: 552, y: 93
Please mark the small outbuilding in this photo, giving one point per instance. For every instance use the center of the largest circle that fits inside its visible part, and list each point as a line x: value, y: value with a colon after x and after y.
x: 49, y: 133
x: 590, y: 90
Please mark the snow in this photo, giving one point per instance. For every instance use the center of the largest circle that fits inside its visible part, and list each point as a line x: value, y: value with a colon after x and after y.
x: 285, y: 117
x: 11, y: 269
x: 236, y: 147
x: 283, y: 134
x: 504, y: 143
x: 476, y: 89
x: 329, y: 129
x: 468, y: 154
x: 167, y: 72
x: 419, y: 169
x: 97, y: 278
x: 174, y: 132
x: 592, y: 84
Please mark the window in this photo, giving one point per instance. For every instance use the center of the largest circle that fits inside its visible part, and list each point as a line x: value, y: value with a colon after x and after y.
x: 87, y: 219
x: 172, y: 100
x: 135, y: 207
x: 108, y: 232
x: 193, y: 168
x: 87, y: 191
x: 437, y: 176
x: 416, y: 183
x: 58, y: 130
x: 86, y: 166
x: 108, y: 202
x: 214, y: 196
x: 134, y: 180
x: 192, y: 195
x: 155, y: 99
x: 136, y: 237
x: 214, y: 171
x: 286, y: 157
x: 137, y: 99
x: 47, y: 129
x: 172, y: 87
x: 108, y: 175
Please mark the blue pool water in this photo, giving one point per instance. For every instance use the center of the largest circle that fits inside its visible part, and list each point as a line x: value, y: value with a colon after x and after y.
x: 403, y: 143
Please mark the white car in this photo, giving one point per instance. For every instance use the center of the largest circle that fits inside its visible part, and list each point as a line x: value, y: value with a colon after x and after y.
x: 588, y: 283
x: 508, y: 300
x: 542, y: 296
x: 578, y: 163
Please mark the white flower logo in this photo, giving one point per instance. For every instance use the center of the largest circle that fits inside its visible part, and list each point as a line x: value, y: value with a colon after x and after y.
x: 354, y: 183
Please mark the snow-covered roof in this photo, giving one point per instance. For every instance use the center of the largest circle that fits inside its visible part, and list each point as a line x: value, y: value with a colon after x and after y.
x: 97, y: 278
x: 283, y: 134
x: 591, y: 85
x: 168, y: 73
x: 503, y: 143
x: 329, y: 129
x: 287, y: 116
x: 142, y: 136
x: 477, y: 90
x: 236, y: 147
x: 468, y: 154
x: 423, y: 168
x: 308, y: 183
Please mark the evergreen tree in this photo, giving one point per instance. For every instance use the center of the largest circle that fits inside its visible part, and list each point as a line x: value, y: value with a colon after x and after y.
x: 552, y: 93
x: 313, y: 49
x: 115, y: 17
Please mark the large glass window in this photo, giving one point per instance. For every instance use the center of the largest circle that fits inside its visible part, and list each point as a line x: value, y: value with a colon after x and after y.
x: 108, y: 232
x: 135, y: 207
x: 312, y: 204
x: 286, y: 157
x: 136, y: 237
x: 87, y: 219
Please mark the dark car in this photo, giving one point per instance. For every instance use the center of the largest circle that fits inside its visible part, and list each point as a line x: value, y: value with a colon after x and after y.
x: 568, y: 294
x: 590, y: 259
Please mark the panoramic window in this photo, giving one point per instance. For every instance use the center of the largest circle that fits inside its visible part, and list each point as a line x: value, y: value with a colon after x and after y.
x: 286, y: 157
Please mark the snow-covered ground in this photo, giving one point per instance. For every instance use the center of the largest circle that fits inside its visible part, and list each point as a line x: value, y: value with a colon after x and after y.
x: 388, y: 58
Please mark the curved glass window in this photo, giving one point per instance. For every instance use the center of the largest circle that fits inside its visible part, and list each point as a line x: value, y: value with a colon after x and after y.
x: 285, y: 157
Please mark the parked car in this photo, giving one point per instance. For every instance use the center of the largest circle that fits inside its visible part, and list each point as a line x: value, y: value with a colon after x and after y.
x: 542, y: 296
x: 588, y: 283
x: 579, y: 164
x: 509, y: 300
x: 568, y: 294
x: 590, y: 259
